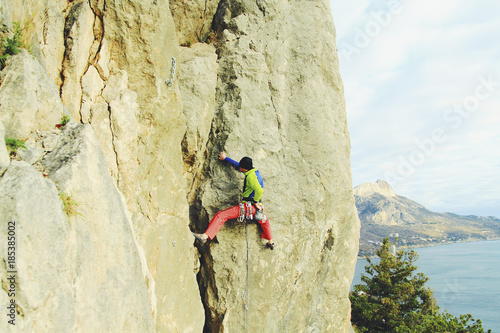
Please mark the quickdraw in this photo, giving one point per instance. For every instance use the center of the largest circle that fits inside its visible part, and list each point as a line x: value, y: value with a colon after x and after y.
x: 245, y: 211
x: 170, y: 81
x: 248, y: 211
x: 241, y: 218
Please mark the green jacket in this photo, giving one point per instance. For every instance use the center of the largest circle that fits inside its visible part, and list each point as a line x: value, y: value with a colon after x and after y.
x: 253, y: 186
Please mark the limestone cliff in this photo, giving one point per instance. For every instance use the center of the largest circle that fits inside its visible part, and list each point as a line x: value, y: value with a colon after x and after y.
x: 139, y: 158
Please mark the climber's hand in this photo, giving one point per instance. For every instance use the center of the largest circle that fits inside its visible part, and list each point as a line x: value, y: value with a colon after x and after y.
x: 258, y: 205
x: 222, y: 156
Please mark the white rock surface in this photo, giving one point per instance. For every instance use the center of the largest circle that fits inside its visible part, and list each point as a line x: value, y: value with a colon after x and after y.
x: 29, y: 98
x: 197, y: 84
x: 70, y: 274
x: 5, y: 15
x: 110, y: 266
x: 79, y: 38
x: 44, y: 268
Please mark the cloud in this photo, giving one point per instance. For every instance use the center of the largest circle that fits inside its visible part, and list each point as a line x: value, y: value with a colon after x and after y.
x: 417, y: 74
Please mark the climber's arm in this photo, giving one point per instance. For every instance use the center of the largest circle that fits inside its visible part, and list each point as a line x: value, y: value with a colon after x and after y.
x: 223, y: 157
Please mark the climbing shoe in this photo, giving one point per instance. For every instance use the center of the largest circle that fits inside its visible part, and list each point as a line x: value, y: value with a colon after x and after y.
x: 271, y: 246
x: 200, y: 238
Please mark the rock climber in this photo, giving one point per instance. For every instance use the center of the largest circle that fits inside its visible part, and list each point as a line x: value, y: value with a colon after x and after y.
x: 253, y: 188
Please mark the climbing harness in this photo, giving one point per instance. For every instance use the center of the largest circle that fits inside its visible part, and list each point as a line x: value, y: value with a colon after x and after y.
x: 245, y: 211
x: 170, y: 81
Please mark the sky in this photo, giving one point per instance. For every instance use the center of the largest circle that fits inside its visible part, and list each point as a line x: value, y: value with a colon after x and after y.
x: 422, y: 89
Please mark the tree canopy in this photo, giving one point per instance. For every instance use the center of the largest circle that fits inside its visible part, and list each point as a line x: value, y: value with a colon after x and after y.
x: 394, y: 298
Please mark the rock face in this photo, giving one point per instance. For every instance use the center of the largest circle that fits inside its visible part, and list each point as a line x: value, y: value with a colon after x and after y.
x: 69, y: 271
x: 279, y: 101
x: 29, y: 98
x: 149, y: 118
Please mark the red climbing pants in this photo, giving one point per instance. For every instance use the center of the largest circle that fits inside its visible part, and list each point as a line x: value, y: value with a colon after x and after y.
x: 232, y: 213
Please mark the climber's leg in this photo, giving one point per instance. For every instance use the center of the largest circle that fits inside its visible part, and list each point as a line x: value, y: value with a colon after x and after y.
x: 266, y: 229
x: 220, y: 218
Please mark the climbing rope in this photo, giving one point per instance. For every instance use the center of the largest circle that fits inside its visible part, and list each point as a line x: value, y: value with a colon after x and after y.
x: 248, y: 275
x: 246, y: 214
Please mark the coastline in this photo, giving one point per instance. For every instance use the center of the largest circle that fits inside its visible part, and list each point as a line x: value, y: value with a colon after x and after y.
x: 433, y: 244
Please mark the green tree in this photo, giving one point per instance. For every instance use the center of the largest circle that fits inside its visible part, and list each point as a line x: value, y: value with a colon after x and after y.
x: 394, y: 298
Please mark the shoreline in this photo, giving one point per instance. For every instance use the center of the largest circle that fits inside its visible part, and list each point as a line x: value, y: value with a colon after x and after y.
x: 471, y: 240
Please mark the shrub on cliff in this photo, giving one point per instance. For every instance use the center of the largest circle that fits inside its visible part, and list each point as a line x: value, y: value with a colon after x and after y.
x: 23, y: 32
x: 10, y: 45
x: 395, y: 299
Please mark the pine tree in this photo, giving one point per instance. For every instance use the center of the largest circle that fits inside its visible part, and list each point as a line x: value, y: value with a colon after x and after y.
x: 394, y: 298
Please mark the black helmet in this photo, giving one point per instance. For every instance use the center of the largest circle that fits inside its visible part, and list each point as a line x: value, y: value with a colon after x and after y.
x: 246, y: 163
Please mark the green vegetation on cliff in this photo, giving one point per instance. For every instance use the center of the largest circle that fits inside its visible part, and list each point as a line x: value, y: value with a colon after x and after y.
x: 10, y: 45
x: 395, y: 299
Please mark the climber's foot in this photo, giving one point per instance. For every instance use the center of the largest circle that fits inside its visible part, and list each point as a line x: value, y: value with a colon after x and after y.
x: 270, y: 245
x: 201, y: 237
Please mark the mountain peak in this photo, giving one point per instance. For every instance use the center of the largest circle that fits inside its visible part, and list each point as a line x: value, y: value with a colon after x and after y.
x: 380, y: 187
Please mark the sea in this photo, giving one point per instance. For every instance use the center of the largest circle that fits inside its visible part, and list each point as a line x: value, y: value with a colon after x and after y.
x: 464, y: 277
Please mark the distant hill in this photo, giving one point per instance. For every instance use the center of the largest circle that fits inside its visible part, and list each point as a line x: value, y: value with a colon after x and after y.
x: 383, y: 213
